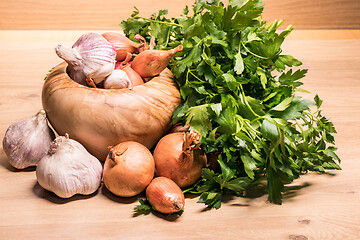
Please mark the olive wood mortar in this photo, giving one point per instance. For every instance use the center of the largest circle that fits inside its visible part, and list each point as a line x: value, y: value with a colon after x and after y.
x: 100, y: 118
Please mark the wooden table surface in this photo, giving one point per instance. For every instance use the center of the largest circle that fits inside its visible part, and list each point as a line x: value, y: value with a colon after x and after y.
x: 316, y: 206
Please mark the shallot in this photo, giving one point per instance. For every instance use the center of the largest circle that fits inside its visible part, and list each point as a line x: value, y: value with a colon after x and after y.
x: 165, y: 196
x: 124, y: 45
x: 125, y: 66
x: 150, y: 63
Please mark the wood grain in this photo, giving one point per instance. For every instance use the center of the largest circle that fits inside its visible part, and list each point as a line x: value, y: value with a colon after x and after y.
x: 91, y: 14
x: 316, y: 206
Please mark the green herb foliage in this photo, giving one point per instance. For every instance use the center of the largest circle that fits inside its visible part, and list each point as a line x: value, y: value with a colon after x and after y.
x: 239, y: 91
x: 145, y: 208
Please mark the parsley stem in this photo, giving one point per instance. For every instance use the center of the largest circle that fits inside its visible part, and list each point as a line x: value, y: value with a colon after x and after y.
x: 256, y: 119
x: 246, y: 103
x: 190, y: 71
x: 156, y: 21
x: 254, y: 54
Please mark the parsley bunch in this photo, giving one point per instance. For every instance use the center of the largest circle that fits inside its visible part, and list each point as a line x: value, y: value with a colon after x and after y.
x: 238, y: 90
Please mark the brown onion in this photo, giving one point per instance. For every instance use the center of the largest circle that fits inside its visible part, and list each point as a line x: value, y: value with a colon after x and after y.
x: 178, y: 156
x: 99, y: 118
x: 150, y: 63
x: 122, y: 44
x: 128, y: 169
x: 165, y: 195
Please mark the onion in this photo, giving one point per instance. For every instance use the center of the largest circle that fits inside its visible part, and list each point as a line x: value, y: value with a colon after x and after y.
x: 150, y: 63
x: 178, y: 156
x: 165, y: 196
x: 128, y: 169
x: 99, y: 118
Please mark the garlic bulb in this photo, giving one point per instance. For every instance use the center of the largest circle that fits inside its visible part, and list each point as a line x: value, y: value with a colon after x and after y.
x: 91, y: 56
x: 68, y: 169
x: 27, y: 141
x: 117, y: 79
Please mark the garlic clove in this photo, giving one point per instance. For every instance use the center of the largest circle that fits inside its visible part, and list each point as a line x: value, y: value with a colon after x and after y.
x: 69, y: 169
x: 118, y: 79
x: 28, y: 140
x: 102, y: 72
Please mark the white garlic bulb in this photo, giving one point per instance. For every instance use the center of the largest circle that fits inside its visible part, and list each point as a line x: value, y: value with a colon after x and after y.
x: 91, y: 56
x: 69, y: 169
x: 27, y: 141
x: 117, y: 79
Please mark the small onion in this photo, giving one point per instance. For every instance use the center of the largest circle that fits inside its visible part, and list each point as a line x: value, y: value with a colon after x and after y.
x: 178, y: 156
x: 128, y: 169
x: 165, y: 196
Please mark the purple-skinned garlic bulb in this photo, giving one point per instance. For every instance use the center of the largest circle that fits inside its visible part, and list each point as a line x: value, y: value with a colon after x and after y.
x: 91, y: 58
x: 28, y: 140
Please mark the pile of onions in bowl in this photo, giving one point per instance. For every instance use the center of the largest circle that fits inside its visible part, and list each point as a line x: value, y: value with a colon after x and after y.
x: 113, y: 61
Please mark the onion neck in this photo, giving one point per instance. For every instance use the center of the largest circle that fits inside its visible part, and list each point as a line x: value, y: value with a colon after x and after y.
x: 178, y: 205
x: 173, y: 51
x: 190, y: 143
x: 114, y: 155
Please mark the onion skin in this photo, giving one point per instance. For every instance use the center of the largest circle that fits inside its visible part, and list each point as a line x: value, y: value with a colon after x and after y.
x: 128, y: 169
x: 178, y: 158
x: 99, y: 118
x: 165, y: 195
x: 179, y: 128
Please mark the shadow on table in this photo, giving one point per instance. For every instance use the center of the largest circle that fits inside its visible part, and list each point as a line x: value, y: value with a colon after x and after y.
x: 259, y: 191
x: 4, y: 162
x: 122, y: 200
x: 52, y: 197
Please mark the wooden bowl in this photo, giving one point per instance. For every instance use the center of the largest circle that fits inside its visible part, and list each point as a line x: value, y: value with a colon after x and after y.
x: 100, y: 118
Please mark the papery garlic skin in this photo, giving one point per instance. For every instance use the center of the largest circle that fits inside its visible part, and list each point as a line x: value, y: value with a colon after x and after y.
x: 69, y: 169
x: 28, y: 140
x: 90, y: 56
